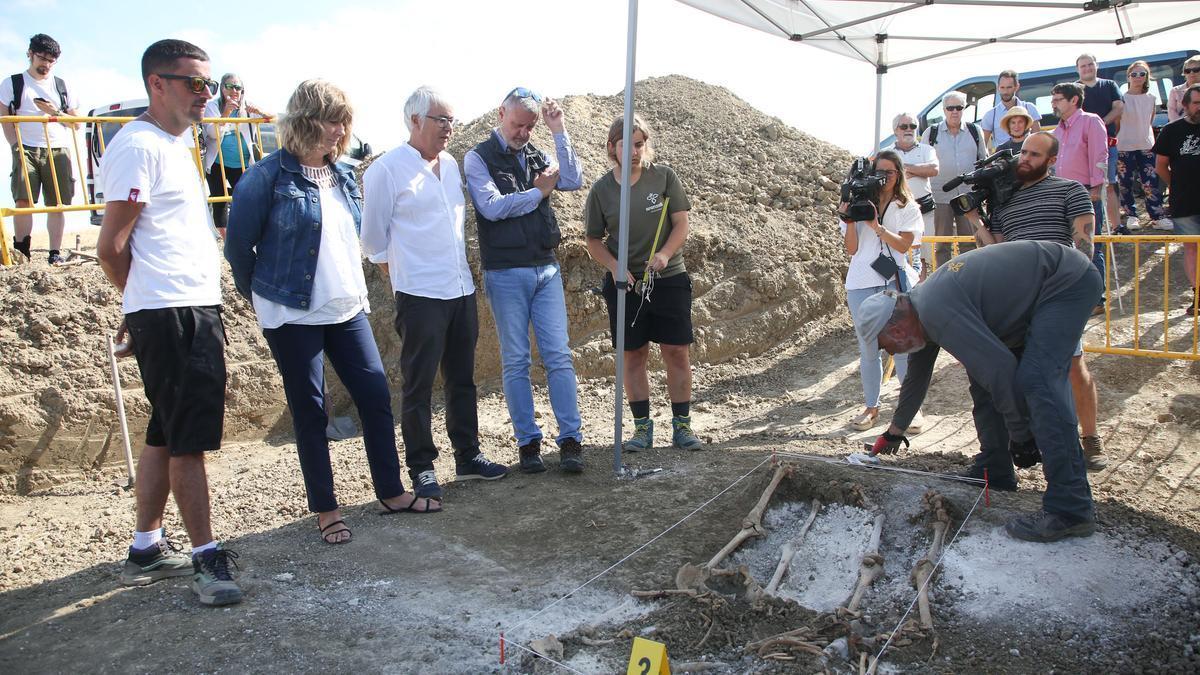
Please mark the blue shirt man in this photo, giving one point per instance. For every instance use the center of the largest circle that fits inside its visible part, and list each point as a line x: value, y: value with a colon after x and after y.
x: 510, y: 182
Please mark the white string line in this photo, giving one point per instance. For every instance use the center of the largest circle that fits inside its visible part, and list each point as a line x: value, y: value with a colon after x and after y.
x: 637, y: 550
x: 543, y: 656
x: 882, y: 467
x: 928, y: 579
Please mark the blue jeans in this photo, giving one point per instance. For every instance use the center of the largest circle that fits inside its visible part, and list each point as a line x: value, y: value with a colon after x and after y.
x: 534, y: 295
x: 870, y: 366
x: 1098, y: 249
x: 1042, y: 379
x: 300, y: 353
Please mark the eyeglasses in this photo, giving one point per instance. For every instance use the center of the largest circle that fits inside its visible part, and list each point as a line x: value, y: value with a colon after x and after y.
x: 231, y: 85
x: 888, y: 173
x: 443, y: 121
x: 1189, y: 71
x: 197, y: 84
x: 522, y: 92
x: 1138, y: 73
x: 906, y: 127
x: 51, y: 60
x: 955, y: 108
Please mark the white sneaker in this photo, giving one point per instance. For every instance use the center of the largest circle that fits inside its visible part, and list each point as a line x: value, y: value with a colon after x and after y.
x: 1132, y: 223
x: 916, y: 426
x: 1164, y: 224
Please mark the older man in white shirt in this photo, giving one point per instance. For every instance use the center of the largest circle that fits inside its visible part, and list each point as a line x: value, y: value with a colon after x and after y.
x: 920, y: 164
x: 412, y: 226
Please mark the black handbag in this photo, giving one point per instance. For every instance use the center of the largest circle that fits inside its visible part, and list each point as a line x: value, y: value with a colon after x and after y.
x: 925, y: 203
x: 884, y: 264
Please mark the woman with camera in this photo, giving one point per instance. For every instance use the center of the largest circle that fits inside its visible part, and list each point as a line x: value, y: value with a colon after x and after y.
x: 229, y: 148
x: 293, y: 248
x: 878, y: 251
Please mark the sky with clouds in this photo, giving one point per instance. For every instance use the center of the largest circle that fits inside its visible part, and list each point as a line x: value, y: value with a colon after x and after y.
x: 476, y: 50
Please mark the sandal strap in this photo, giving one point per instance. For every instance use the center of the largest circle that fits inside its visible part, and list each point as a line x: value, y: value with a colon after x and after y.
x: 336, y: 522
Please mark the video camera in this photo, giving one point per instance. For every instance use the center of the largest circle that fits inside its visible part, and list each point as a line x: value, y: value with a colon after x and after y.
x: 993, y: 182
x: 860, y: 191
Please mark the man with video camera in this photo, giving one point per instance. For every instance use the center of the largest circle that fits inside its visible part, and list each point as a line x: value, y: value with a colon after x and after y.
x: 1050, y: 208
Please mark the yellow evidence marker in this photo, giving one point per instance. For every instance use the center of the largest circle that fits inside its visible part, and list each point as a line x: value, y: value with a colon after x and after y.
x: 648, y: 658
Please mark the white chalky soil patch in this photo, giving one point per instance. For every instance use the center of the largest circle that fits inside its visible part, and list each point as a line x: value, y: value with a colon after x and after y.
x: 1094, y: 581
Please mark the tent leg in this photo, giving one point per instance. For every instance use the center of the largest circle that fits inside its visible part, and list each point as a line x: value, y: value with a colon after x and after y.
x: 623, y: 236
x: 878, y: 110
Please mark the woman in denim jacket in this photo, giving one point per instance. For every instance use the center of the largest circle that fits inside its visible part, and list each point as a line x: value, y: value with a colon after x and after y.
x: 292, y: 244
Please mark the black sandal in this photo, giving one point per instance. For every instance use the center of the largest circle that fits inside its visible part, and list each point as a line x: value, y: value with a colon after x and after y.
x: 326, y: 535
x: 429, y: 501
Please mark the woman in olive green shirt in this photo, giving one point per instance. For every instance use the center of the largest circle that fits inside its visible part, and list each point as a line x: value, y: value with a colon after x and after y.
x: 661, y: 309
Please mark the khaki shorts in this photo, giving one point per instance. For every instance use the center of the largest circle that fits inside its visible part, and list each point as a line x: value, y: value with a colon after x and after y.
x: 37, y: 163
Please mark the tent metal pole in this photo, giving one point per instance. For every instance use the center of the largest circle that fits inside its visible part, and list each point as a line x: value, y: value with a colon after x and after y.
x: 623, y: 236
x: 878, y: 107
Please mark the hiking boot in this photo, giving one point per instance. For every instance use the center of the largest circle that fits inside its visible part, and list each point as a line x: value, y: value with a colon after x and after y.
x: 56, y: 258
x: 682, y: 436
x: 479, y: 468
x: 643, y: 435
x: 1093, y: 453
x: 161, y: 560
x: 1003, y: 484
x: 23, y: 245
x: 570, y: 454
x: 1045, y: 527
x: 425, y: 485
x: 531, y: 457
x: 211, y: 578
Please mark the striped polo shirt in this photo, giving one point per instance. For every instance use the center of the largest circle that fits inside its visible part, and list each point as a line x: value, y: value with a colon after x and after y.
x: 1043, y: 211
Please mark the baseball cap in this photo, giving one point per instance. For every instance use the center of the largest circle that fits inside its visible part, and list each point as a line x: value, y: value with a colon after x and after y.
x: 873, y: 315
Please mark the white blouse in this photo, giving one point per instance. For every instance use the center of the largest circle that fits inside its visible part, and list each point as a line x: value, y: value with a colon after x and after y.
x: 339, y: 289
x: 896, y: 219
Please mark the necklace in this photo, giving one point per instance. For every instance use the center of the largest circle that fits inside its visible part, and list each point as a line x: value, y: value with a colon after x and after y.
x: 154, y: 120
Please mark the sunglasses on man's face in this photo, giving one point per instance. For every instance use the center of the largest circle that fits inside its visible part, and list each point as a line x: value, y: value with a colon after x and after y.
x: 197, y: 84
x: 1189, y: 71
x: 522, y: 92
x: 955, y: 108
x: 906, y: 127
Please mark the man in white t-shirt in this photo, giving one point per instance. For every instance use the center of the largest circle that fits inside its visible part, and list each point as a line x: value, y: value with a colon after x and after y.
x: 156, y: 244
x: 40, y: 164
x: 920, y: 164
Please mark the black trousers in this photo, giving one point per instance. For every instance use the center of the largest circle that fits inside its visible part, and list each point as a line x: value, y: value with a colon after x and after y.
x: 437, y: 333
x: 216, y: 188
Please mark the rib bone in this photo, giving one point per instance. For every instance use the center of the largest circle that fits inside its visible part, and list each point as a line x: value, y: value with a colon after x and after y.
x: 922, y: 573
x: 788, y: 550
x: 752, y: 524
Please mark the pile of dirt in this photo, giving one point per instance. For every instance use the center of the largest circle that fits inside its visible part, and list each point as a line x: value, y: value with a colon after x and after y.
x: 764, y: 251
x: 57, y: 408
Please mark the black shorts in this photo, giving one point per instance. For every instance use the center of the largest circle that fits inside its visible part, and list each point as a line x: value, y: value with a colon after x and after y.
x: 180, y: 352
x: 666, y: 318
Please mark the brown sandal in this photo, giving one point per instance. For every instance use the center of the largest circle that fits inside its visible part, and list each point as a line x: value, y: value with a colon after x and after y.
x: 334, y: 542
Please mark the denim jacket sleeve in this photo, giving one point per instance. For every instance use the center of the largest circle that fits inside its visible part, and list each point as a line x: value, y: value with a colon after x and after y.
x: 247, y: 216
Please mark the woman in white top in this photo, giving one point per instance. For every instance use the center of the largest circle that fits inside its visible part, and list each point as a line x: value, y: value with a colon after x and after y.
x: 878, y: 244
x: 1135, y: 156
x: 292, y: 245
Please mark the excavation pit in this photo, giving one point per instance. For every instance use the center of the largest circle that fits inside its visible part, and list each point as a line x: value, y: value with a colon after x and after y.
x: 992, y: 599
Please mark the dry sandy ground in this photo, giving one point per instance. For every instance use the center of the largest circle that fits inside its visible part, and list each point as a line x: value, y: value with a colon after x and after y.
x: 431, y: 593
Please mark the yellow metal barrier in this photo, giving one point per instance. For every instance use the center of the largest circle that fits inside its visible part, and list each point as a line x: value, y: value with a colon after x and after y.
x: 80, y: 165
x: 1160, y: 254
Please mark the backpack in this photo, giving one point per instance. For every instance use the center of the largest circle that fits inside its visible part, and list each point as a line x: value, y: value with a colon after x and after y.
x: 970, y: 127
x: 18, y: 85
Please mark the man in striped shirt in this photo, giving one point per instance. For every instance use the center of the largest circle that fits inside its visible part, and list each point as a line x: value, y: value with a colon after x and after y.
x: 1051, y: 208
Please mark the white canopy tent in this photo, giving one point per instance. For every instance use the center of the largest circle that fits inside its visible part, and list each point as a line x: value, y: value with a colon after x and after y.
x: 888, y: 34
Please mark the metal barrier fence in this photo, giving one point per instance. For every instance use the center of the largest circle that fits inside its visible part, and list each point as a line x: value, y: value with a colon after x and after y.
x: 1131, y: 321
x: 95, y: 141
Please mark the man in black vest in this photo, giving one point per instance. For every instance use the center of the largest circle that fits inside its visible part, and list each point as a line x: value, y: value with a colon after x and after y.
x: 510, y: 182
